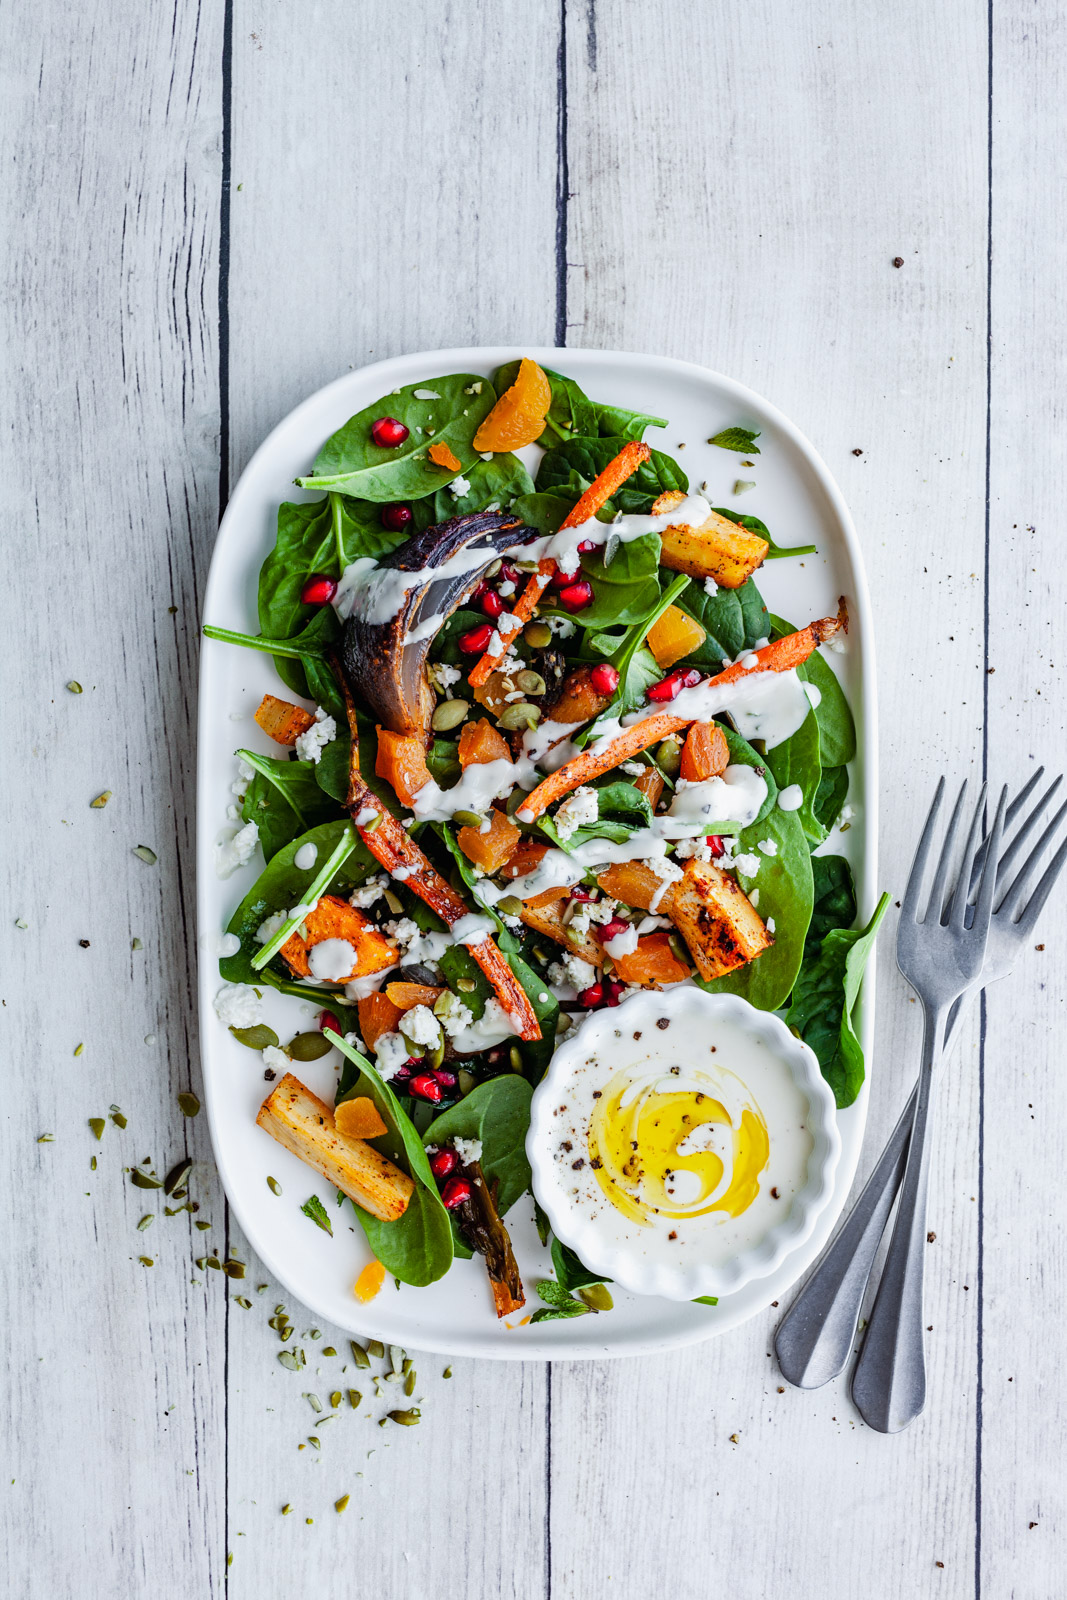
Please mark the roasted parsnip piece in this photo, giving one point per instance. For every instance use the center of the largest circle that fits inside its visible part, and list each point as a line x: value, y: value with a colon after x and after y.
x: 304, y: 1124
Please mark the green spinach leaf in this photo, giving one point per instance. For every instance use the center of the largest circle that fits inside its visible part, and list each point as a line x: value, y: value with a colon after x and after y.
x: 624, y: 590
x: 634, y: 661
x: 590, y: 456
x: 417, y: 1246
x: 501, y: 480
x: 351, y: 462
x: 837, y: 730
x: 830, y: 796
x: 824, y: 1001
x: 754, y: 525
x: 497, y: 1113
x: 796, y: 761
x: 835, y: 900
x: 283, y: 800
x: 733, y: 620
x: 786, y: 892
x: 570, y: 1271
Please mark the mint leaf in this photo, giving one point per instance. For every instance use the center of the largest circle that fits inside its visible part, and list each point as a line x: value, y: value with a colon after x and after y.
x: 315, y: 1209
x: 743, y: 440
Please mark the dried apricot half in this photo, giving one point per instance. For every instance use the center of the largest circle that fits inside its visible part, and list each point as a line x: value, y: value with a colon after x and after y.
x: 369, y: 1281
x: 442, y: 456
x: 518, y: 418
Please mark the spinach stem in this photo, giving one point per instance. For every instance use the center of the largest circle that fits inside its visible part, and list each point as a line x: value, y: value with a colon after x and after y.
x: 338, y: 856
x: 257, y: 641
x: 335, y: 516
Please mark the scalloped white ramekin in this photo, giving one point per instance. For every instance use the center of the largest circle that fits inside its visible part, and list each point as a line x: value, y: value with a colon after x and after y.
x: 688, y: 1008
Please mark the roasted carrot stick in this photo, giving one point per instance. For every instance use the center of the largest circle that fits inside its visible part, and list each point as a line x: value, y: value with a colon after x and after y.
x: 389, y: 844
x: 604, y: 485
x: 781, y: 655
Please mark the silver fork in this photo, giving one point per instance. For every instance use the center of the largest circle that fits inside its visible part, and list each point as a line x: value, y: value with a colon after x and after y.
x: 941, y: 957
x: 815, y: 1338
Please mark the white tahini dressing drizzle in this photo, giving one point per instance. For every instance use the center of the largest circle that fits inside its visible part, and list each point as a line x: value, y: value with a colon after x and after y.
x: 562, y: 547
x: 763, y: 705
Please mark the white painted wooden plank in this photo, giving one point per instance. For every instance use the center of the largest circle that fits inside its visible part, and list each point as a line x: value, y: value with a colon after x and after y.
x: 115, y: 1404
x: 397, y: 190
x: 752, y: 226
x: 1023, y: 1485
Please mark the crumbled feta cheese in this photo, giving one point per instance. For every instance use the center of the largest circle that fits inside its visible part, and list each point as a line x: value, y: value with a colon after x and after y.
x: 623, y: 944
x: 711, y: 588
x: 633, y: 769
x: 508, y: 621
x: 244, y: 778
x: 837, y: 644
x: 332, y: 960
x: 486, y: 455
x: 770, y: 925
x: 769, y: 847
x: 354, y: 1042
x: 698, y: 848
x: 390, y: 1053
x: 238, y: 1006
x: 459, y: 485
x: 747, y: 864
x: 601, y: 910
x: 421, y: 1026
x: 368, y: 893
x: 426, y: 394
x: 473, y: 388
x: 275, y: 1059
x: 443, y: 675
x: 452, y: 1014
x: 306, y: 856
x: 495, y: 645
x: 236, y: 852
x: 311, y: 743
x: 267, y: 929
x: 846, y: 814
x: 578, y: 810
x: 233, y: 813
x: 468, y: 1150
x: 575, y: 970
x: 563, y: 627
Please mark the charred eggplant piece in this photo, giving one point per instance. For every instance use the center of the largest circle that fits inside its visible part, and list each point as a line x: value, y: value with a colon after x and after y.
x: 384, y: 665
x: 481, y: 1226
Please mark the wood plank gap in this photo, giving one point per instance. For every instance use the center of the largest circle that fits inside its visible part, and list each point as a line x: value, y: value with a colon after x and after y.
x: 563, y: 184
x: 224, y: 260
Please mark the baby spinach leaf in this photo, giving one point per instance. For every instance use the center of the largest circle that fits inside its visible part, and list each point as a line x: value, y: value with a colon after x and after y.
x: 570, y: 1271
x: 837, y: 730
x: 733, y: 620
x: 283, y: 800
x: 824, y: 1000
x: 442, y: 758
x: 742, y: 754
x: 280, y: 886
x: 796, y: 761
x: 417, y: 1246
x: 497, y: 1113
x: 351, y: 462
x: 625, y: 590
x: 786, y: 891
x: 830, y: 796
x: 622, y: 810
x: 835, y: 900
x: 754, y: 525
x: 618, y: 423
x: 300, y: 660
x: 590, y: 456
x: 743, y: 440
x: 635, y: 663
x: 457, y: 963
x: 536, y: 1053
x: 545, y: 512
x: 502, y: 480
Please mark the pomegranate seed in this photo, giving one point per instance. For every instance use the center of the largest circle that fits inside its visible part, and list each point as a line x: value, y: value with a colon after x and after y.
x: 613, y: 988
x: 423, y: 1087
x: 396, y: 517
x: 318, y: 591
x: 717, y: 846
x: 388, y: 432
x: 328, y: 1020
x: 690, y: 679
x: 592, y: 996
x: 510, y: 573
x: 480, y: 588
x: 456, y: 1192
x: 612, y: 929
x: 587, y: 547
x: 492, y: 604
x: 605, y: 679
x: 576, y: 596
x: 402, y: 1074
x: 446, y: 1079
x: 496, y: 1057
x: 666, y: 688
x: 577, y: 893
x: 474, y: 641
x: 442, y: 1162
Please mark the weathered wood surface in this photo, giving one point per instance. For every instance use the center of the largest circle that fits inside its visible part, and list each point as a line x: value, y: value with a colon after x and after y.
x: 724, y: 185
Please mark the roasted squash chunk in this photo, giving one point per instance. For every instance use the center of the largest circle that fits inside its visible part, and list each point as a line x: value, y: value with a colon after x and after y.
x: 718, y: 549
x: 577, y: 700
x: 705, y: 753
x: 480, y: 743
x: 491, y: 849
x: 334, y: 918
x: 673, y: 635
x: 359, y: 1119
x: 635, y: 884
x: 401, y: 762
x: 377, y: 1015
x: 281, y: 720
x: 652, y: 963
x: 717, y: 920
x: 650, y: 784
x: 406, y: 995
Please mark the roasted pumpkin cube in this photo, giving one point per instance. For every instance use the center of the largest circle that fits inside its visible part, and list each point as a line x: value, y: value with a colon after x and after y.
x: 377, y: 1015
x: 705, y: 753
x: 480, y: 743
x: 407, y: 995
x: 578, y: 700
x: 281, y: 720
x: 673, y: 635
x: 717, y: 920
x: 635, y: 884
x: 401, y: 762
x: 491, y: 849
x: 650, y: 783
x: 334, y: 918
x: 653, y: 962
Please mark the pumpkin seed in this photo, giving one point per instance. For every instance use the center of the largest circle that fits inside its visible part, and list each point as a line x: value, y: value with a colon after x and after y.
x: 274, y: 1186
x: 240, y: 1300
x: 612, y: 548
x: 538, y: 634
x: 188, y: 1104
x: 492, y: 569
x: 518, y: 716
x: 373, y: 823
x: 596, y: 1297
x: 118, y: 1118
x: 74, y: 686
x: 466, y: 985
x: 98, y: 1124
x: 308, y: 1046
x: 468, y: 819
x: 515, y: 1057
x: 376, y: 1348
x: 234, y: 1269
x: 293, y: 1359
x: 409, y: 1383
x: 101, y: 800
x: 510, y: 905
x: 530, y: 682
x: 177, y: 1175
x: 514, y: 800
x: 143, y: 851
x: 449, y: 714
x: 393, y: 901
x: 257, y: 1037
x: 406, y: 1419
x: 313, y: 1401
x: 679, y: 948
x: 341, y: 1505
x: 135, y: 944
x: 144, y: 1180
x: 669, y: 756
x: 78, y: 1049
x: 359, y: 1355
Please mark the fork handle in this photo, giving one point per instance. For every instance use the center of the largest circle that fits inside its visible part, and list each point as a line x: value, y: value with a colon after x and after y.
x: 815, y: 1337
x: 889, y: 1383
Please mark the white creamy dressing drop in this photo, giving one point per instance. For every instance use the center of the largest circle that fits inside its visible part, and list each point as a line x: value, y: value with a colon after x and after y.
x: 376, y: 594
x: 763, y: 705
x: 562, y: 547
